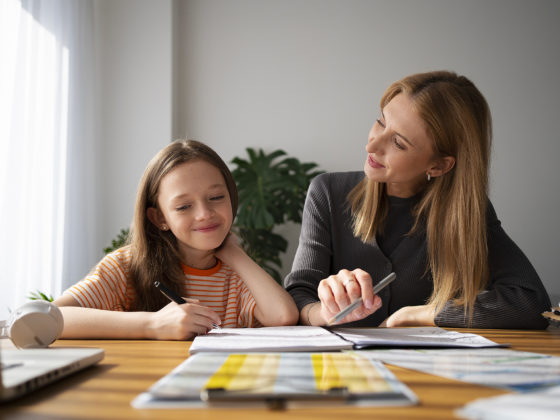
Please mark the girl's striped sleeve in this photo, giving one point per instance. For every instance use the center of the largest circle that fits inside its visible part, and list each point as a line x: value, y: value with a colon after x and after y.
x: 106, y: 286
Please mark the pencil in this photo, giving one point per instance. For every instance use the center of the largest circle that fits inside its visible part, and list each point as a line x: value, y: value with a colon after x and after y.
x: 171, y: 295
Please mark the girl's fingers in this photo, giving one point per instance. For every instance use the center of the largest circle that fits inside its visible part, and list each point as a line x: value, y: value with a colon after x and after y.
x: 202, y: 324
x: 205, y: 315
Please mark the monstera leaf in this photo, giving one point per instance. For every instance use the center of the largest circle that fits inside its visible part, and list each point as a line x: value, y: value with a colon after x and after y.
x: 272, y: 189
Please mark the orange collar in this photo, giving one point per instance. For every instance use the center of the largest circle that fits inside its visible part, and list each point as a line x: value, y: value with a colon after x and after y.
x: 201, y: 272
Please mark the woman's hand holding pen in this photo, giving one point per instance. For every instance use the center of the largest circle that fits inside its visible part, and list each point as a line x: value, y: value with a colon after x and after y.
x: 339, y: 290
x: 181, y: 322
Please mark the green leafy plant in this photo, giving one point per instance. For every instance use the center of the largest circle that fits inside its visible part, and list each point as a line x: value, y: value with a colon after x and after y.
x: 38, y: 295
x: 118, y: 242
x: 272, y: 189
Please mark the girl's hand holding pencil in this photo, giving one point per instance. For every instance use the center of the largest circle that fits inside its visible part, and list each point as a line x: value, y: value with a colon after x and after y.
x: 181, y: 319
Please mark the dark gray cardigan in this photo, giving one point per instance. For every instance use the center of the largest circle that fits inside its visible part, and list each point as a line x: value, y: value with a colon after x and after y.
x: 514, y: 297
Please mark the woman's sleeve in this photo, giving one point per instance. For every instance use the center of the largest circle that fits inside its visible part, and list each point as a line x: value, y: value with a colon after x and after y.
x: 105, y: 287
x: 515, y: 296
x: 313, y: 256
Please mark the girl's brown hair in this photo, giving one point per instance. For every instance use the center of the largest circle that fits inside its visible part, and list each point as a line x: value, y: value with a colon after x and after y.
x: 453, y: 206
x: 155, y: 253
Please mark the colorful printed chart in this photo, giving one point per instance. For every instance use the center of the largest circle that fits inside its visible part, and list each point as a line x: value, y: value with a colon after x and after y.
x: 316, y: 372
x: 288, y: 376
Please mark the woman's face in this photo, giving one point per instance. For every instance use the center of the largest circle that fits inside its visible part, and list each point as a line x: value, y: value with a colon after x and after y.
x: 194, y: 203
x: 400, y: 153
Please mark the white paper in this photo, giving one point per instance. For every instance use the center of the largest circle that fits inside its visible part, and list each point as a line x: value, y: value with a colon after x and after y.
x: 303, y: 338
x: 543, y: 404
x: 500, y: 368
x: 295, y: 338
x: 418, y: 336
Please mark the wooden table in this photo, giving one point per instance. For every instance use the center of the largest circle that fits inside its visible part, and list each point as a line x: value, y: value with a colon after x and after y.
x: 130, y: 367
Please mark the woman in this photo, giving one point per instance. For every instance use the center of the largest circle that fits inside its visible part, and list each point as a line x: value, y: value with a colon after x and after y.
x: 420, y: 209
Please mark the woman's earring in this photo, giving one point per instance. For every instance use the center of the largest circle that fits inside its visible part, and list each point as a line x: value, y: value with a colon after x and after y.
x: 164, y: 227
x: 428, y: 176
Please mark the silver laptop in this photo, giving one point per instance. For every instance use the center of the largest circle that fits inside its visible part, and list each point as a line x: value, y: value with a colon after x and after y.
x: 24, y: 370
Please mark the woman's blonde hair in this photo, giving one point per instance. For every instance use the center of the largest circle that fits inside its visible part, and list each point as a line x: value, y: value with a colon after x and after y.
x: 453, y: 206
x: 154, y: 251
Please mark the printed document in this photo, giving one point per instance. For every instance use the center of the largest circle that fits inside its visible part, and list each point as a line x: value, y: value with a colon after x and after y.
x: 501, y: 368
x: 303, y: 338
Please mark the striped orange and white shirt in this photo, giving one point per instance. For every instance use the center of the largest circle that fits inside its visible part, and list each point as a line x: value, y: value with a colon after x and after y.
x: 109, y: 287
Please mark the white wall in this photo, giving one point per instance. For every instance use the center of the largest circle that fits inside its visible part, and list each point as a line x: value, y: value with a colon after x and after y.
x: 306, y: 76
x: 134, y: 50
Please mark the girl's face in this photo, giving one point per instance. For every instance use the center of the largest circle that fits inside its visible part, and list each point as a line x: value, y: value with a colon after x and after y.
x: 400, y: 153
x: 194, y: 203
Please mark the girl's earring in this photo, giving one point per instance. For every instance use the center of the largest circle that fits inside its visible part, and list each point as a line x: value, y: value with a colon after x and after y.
x: 428, y: 176
x: 164, y: 227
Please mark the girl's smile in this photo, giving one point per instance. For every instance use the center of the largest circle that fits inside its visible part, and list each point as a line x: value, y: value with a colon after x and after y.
x: 208, y: 228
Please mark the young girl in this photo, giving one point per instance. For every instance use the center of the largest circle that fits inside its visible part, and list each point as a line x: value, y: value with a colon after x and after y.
x: 186, y: 203
x: 419, y: 208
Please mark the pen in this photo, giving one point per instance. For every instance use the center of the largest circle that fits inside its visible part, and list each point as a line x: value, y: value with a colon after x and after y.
x: 171, y: 295
x: 376, y: 289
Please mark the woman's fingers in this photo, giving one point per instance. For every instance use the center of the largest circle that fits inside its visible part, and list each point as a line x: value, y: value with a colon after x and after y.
x: 326, y: 296
x: 342, y: 283
x: 339, y: 290
x: 333, y: 293
x: 352, y: 287
x: 366, y: 287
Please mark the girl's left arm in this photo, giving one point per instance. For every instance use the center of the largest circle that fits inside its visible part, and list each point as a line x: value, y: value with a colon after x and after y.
x: 274, y: 306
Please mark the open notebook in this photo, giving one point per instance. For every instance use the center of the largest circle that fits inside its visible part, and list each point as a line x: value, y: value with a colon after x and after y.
x: 303, y: 338
x: 24, y: 370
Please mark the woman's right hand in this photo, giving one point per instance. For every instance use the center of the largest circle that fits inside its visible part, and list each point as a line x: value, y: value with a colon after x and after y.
x: 339, y: 290
x: 181, y: 322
